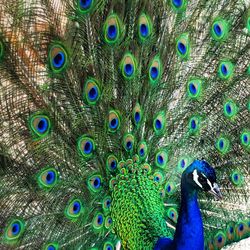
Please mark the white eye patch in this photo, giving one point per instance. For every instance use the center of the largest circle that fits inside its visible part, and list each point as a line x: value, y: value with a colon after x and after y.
x: 195, y: 178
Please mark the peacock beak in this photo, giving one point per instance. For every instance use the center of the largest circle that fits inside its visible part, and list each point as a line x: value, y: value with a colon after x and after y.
x: 216, y: 191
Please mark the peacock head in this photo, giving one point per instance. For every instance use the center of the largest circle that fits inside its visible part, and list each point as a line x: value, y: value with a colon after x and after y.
x: 201, y: 176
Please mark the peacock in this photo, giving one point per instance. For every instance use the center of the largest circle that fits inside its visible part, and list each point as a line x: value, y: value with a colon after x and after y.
x: 120, y: 119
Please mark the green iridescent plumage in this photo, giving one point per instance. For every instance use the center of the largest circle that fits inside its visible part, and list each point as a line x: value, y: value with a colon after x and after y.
x: 149, y: 210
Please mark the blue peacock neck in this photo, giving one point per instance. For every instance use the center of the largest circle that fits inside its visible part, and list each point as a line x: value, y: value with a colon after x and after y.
x: 189, y: 231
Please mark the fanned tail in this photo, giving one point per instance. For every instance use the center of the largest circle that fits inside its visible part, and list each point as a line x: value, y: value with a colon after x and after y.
x: 103, y: 106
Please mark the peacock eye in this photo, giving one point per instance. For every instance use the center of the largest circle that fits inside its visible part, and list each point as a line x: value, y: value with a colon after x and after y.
x: 92, y: 92
x: 112, y: 29
x: 183, y: 46
x: 40, y: 125
x: 155, y: 70
x: 202, y: 179
x: 14, y: 230
x: 178, y: 5
x: 145, y: 27
x: 108, y: 246
x: 98, y: 221
x: 111, y: 163
x: 86, y: 146
x: 106, y: 203
x: 51, y: 246
x: 95, y: 183
x: 226, y: 70
x: 74, y: 209
x: 108, y: 222
x: 85, y: 4
x: 128, y: 66
x: 128, y: 142
x: 220, y: 29
x: 114, y: 121
x: 58, y: 58
x: 142, y: 150
x: 137, y: 114
x: 47, y: 178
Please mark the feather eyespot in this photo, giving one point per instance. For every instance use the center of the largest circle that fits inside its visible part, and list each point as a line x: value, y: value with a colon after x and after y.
x: 183, y: 162
x: 113, y: 29
x: 137, y: 114
x: 85, y: 6
x: 223, y: 145
x: 14, y: 230
x: 161, y: 158
x: 108, y: 246
x: 220, y: 239
x: 245, y: 138
x: 142, y: 150
x: 146, y: 167
x: 194, y: 88
x: 92, y: 91
x: 170, y: 188
x: 86, y: 146
x: 95, y: 183
x: 128, y: 66
x: 230, y: 109
x: 172, y: 214
x: 241, y: 230
x: 158, y: 177
x: 183, y: 46
x: 98, y: 221
x: 178, y: 5
x: 194, y: 124
x: 47, y: 178
x: 58, y: 58
x: 144, y: 27
x: 108, y: 222
x: 40, y: 125
x: 230, y: 232
x: 155, y: 70
x: 114, y: 121
x: 226, y: 70
x: 106, y: 203
x: 220, y: 30
x: 51, y: 246
x: 128, y: 142
x: 237, y: 178
x: 74, y: 209
x: 111, y: 163
x: 159, y: 123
